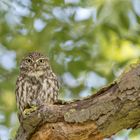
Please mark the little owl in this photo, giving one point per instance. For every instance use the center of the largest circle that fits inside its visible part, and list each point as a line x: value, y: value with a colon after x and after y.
x: 36, y: 84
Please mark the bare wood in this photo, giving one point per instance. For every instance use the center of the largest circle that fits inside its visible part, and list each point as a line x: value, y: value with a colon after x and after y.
x: 111, y: 109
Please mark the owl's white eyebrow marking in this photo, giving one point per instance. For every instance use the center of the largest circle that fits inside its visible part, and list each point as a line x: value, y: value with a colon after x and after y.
x: 42, y: 58
x: 28, y: 58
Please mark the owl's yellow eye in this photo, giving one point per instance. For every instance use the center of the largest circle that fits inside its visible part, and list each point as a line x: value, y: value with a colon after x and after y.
x: 28, y: 60
x: 41, y: 60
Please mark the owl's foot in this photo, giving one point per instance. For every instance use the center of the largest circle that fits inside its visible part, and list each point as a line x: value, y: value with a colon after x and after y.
x: 28, y: 111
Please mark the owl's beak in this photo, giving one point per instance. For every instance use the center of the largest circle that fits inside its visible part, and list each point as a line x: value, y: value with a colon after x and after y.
x: 35, y: 65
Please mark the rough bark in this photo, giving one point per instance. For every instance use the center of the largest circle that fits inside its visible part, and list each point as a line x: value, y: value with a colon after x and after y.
x: 101, y: 115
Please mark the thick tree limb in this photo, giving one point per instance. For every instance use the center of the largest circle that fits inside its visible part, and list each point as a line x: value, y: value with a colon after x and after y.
x: 113, y: 108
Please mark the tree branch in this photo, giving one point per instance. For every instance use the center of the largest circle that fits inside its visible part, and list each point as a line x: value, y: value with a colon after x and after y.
x: 111, y: 109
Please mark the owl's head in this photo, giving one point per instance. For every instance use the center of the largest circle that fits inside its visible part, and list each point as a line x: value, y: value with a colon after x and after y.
x: 35, y: 64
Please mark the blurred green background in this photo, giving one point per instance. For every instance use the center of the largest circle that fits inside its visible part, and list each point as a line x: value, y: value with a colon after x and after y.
x: 89, y: 42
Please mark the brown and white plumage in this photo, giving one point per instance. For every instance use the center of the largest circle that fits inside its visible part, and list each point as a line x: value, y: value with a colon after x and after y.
x: 36, y: 84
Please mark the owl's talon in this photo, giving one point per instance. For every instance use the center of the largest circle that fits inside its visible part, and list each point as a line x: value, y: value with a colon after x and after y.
x: 28, y: 111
